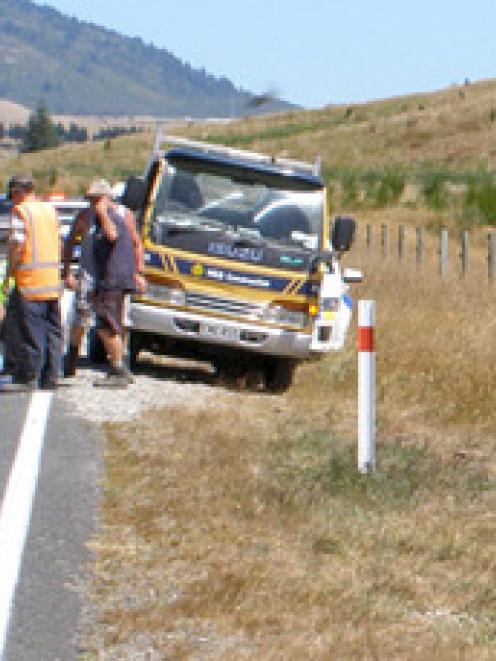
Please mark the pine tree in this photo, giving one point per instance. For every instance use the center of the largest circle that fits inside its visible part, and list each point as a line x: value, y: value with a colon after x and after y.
x: 40, y: 131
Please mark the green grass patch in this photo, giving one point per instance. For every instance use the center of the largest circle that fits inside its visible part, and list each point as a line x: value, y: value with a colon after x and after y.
x: 314, y: 468
x: 480, y: 201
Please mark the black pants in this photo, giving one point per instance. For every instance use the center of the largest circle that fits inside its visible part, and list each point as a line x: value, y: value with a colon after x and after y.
x: 14, y: 356
x: 41, y: 337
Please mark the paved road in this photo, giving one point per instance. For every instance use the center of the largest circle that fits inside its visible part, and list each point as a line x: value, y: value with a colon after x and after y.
x: 48, y: 599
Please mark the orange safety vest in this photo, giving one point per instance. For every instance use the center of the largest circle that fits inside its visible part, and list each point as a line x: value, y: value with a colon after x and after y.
x: 37, y: 276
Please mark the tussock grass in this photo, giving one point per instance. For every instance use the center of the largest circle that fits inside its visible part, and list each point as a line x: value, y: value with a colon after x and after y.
x: 246, y: 531
x: 447, y: 133
x: 70, y: 168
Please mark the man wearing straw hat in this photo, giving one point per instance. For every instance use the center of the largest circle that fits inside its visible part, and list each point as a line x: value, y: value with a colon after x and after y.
x: 116, y: 271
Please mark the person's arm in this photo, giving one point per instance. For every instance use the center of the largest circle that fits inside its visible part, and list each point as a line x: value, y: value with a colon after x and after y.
x: 79, y: 228
x: 3, y: 295
x: 139, y: 257
x: 108, y: 226
x: 17, y: 237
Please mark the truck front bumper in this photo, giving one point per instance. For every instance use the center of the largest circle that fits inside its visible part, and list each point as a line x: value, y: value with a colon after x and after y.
x: 172, y: 323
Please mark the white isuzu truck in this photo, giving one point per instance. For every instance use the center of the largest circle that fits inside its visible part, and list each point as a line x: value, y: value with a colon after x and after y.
x: 243, y: 265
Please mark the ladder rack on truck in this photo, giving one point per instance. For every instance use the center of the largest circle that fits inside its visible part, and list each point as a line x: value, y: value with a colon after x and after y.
x: 262, y: 159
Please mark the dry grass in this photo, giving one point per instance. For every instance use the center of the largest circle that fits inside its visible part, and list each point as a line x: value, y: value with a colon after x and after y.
x: 70, y: 168
x: 246, y: 532
x: 452, y: 129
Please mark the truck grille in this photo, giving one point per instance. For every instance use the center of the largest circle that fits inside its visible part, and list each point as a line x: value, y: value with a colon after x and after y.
x: 224, y: 305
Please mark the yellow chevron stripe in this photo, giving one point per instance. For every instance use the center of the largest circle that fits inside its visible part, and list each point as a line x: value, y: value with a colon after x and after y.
x: 288, y: 288
x: 210, y: 260
x: 299, y: 285
x: 294, y: 286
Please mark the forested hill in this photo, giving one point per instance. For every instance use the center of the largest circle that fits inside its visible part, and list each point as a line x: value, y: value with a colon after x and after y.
x: 79, y: 68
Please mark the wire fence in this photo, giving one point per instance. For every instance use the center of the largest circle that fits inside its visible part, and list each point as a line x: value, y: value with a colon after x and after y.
x: 451, y: 246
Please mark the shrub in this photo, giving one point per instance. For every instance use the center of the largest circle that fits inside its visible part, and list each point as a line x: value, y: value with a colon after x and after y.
x: 482, y: 198
x: 391, y: 186
x: 40, y: 132
x: 383, y: 189
x: 434, y: 191
x: 349, y: 186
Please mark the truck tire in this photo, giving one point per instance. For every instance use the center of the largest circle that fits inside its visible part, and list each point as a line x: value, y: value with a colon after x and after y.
x: 134, y: 347
x: 279, y: 374
x: 96, y: 350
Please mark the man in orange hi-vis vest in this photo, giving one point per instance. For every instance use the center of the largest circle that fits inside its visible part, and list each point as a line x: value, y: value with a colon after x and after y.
x: 34, y: 263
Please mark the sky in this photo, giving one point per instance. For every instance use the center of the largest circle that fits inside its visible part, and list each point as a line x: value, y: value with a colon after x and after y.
x: 314, y: 52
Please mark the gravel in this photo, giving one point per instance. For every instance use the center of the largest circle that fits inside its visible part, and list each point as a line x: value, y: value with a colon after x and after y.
x: 157, y: 388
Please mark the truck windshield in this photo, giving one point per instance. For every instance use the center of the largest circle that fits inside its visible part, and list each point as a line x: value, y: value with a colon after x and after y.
x: 211, y: 202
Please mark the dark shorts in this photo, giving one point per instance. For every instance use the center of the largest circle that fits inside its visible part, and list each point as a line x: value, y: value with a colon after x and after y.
x: 108, y: 305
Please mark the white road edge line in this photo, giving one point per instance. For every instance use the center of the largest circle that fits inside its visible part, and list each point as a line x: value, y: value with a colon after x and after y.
x: 15, y: 514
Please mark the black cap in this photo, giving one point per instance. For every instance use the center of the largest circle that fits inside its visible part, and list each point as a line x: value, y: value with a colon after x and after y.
x: 19, y: 182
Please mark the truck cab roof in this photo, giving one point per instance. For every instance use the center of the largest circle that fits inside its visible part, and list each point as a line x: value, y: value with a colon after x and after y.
x: 248, y: 170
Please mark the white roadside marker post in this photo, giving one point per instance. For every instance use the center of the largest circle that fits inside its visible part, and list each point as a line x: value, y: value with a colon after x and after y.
x: 366, y: 386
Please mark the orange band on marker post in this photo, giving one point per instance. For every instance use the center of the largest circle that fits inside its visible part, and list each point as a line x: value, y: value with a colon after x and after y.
x: 366, y: 339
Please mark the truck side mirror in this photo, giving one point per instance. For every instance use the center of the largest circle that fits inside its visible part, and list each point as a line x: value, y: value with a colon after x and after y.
x: 135, y: 192
x: 343, y: 233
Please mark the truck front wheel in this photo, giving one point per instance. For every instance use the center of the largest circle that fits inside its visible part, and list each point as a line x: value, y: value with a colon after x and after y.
x: 134, y: 348
x: 279, y: 374
x: 96, y: 350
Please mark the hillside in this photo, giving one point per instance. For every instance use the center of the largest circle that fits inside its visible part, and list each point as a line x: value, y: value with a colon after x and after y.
x: 453, y: 128
x: 81, y: 69
x: 432, y: 151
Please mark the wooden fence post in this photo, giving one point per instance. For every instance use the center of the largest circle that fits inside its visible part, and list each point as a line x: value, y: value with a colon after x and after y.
x: 401, y: 241
x: 369, y: 238
x: 463, y: 252
x: 419, y: 245
x: 490, y: 256
x: 384, y: 240
x: 443, y: 251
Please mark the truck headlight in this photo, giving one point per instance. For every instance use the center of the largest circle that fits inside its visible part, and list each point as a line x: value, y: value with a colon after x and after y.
x: 164, y: 294
x: 277, y: 314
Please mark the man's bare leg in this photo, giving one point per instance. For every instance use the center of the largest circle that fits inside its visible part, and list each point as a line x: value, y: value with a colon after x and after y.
x: 118, y: 376
x: 72, y: 356
x: 114, y: 346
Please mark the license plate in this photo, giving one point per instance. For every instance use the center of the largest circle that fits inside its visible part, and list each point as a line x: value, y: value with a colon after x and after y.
x: 219, y: 332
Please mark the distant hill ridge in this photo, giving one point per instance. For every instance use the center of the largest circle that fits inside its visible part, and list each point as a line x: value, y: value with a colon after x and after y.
x: 81, y: 69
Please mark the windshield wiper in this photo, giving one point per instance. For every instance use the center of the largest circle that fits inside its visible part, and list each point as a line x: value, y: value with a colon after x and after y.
x: 243, y: 237
x: 170, y: 230
x: 170, y: 227
x: 210, y: 224
x: 247, y: 242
